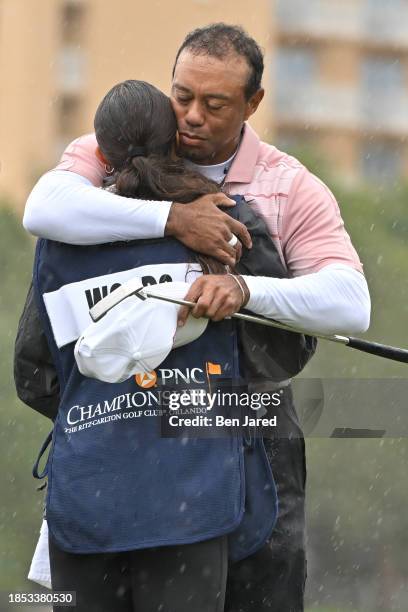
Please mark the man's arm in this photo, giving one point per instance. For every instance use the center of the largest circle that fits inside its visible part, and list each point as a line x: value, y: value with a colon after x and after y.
x: 66, y: 206
x: 328, y: 292
x: 333, y: 300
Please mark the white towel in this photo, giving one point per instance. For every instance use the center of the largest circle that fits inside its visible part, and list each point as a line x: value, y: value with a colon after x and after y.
x: 40, y: 571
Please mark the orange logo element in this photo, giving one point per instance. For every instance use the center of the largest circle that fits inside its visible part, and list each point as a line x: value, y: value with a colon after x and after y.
x: 146, y: 380
x: 213, y: 368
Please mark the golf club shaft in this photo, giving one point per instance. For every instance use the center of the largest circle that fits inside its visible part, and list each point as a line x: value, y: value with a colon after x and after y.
x: 374, y: 348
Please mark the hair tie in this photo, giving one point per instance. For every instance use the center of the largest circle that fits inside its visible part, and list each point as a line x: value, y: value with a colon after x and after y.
x: 136, y: 151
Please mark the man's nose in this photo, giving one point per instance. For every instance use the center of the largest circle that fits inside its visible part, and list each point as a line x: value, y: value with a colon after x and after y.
x: 195, y: 115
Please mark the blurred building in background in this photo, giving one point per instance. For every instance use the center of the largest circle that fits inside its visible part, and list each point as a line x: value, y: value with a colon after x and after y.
x: 59, y: 57
x: 341, y: 84
x: 336, y: 75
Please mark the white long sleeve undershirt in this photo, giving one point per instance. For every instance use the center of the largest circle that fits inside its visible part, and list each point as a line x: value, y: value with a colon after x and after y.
x: 333, y: 300
x: 66, y: 207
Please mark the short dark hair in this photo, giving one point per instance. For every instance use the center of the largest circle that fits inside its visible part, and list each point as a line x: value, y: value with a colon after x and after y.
x: 218, y: 40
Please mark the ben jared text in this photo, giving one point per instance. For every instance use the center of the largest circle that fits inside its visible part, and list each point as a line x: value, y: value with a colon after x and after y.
x: 220, y: 421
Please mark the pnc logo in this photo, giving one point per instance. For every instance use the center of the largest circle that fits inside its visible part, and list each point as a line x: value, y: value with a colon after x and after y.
x: 177, y: 376
x: 146, y: 380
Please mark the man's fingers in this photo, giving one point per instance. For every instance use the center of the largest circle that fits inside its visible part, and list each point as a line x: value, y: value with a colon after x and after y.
x: 220, y: 199
x: 241, y: 232
x: 236, y: 227
x: 226, y: 255
x: 238, y: 251
x: 203, y: 295
x: 183, y: 315
x: 217, y: 301
x: 214, y: 296
x: 200, y: 308
x: 192, y: 296
x: 214, y: 306
x: 203, y: 227
x: 205, y: 302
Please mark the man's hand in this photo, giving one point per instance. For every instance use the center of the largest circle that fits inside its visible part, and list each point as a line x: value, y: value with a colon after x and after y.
x: 204, y: 228
x: 216, y: 296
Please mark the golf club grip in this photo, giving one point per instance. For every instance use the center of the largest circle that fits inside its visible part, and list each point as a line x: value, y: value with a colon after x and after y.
x: 382, y: 350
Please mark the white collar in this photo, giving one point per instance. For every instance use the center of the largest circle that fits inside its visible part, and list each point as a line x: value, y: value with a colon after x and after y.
x: 215, y: 172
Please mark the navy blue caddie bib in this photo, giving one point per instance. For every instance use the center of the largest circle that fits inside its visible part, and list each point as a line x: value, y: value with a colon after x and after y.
x: 118, y: 477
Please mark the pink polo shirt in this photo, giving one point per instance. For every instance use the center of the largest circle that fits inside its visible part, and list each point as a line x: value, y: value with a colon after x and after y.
x: 301, y: 213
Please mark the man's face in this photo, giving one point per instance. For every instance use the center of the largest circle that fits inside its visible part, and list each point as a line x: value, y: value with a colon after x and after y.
x: 209, y: 101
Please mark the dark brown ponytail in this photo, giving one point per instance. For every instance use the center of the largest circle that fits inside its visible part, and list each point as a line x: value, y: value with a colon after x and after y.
x: 159, y: 177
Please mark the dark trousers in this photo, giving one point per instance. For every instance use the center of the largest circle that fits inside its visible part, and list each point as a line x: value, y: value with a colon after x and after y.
x: 185, y: 578
x: 197, y: 577
x: 274, y: 578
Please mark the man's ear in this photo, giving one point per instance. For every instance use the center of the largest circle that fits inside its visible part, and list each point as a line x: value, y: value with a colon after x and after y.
x: 101, y: 156
x: 254, y: 102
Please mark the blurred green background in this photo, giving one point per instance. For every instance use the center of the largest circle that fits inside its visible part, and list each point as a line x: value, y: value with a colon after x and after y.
x: 357, y: 489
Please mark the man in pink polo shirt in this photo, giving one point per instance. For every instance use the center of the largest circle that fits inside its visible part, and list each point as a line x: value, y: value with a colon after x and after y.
x: 216, y: 88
